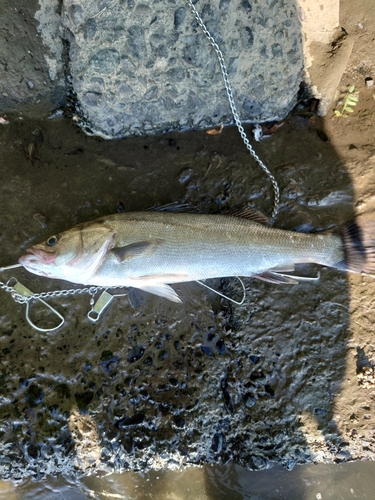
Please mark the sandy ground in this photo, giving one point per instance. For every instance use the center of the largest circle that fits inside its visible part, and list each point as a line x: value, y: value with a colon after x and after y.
x: 353, y: 139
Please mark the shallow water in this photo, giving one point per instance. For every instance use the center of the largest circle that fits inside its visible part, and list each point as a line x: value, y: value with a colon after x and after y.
x: 309, y: 482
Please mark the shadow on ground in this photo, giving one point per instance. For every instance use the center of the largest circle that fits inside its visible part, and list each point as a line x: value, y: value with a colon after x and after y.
x: 160, y: 384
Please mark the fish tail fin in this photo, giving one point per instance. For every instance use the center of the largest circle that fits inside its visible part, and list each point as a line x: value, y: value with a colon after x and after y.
x: 358, y: 237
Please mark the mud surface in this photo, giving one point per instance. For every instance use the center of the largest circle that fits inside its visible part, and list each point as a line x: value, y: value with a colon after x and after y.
x: 159, y: 384
x: 286, y: 378
x: 26, y: 81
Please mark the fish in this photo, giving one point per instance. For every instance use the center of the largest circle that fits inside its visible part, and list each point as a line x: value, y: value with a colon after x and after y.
x: 152, y: 250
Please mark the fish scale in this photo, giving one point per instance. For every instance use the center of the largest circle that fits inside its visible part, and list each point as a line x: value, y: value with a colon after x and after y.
x: 210, y: 246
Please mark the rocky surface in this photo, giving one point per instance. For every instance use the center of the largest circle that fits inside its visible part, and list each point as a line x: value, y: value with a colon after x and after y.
x: 136, y: 68
x: 140, y: 67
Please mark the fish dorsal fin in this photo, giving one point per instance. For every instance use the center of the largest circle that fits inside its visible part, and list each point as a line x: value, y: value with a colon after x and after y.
x: 250, y: 214
x: 134, y: 250
x: 174, y: 207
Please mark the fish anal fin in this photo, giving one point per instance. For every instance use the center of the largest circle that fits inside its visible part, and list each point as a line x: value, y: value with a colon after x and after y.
x: 274, y: 277
x: 250, y: 214
x: 134, y: 250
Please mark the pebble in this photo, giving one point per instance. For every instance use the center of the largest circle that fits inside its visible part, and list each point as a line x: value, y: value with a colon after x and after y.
x: 179, y: 17
x: 369, y: 81
x: 105, y: 61
x: 56, y: 114
x: 42, y: 219
x: 32, y: 151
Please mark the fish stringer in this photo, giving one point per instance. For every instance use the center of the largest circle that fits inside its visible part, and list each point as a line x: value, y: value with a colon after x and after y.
x: 226, y: 296
x: 292, y: 277
x: 98, y: 307
x: 233, y: 108
x: 21, y: 290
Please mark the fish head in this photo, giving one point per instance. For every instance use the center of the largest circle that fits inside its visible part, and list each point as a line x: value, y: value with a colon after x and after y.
x: 73, y: 255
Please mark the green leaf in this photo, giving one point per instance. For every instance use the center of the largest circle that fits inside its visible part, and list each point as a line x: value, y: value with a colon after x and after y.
x: 352, y: 98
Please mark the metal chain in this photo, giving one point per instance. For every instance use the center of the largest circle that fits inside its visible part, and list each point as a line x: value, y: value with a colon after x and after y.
x: 234, y: 109
x: 22, y: 299
x: 7, y: 288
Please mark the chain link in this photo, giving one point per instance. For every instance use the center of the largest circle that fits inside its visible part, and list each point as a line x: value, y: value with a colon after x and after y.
x: 23, y: 299
x: 7, y: 288
x: 234, y: 109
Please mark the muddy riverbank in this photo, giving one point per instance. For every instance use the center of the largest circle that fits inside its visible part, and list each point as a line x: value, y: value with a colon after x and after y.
x: 165, y: 385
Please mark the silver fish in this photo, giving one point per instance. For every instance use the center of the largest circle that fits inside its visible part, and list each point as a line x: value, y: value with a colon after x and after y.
x: 151, y: 250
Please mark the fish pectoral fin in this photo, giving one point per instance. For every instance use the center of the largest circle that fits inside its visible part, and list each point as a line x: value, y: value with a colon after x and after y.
x: 274, y: 277
x: 161, y: 289
x: 138, y: 249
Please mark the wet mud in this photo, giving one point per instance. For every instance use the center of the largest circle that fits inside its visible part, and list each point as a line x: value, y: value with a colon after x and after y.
x: 160, y: 385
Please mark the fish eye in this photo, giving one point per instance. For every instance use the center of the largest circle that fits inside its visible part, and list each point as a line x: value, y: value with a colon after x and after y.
x: 52, y: 241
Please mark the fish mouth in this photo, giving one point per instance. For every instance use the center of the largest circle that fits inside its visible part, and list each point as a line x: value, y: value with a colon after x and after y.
x: 39, y: 255
x: 32, y: 263
x: 35, y: 258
